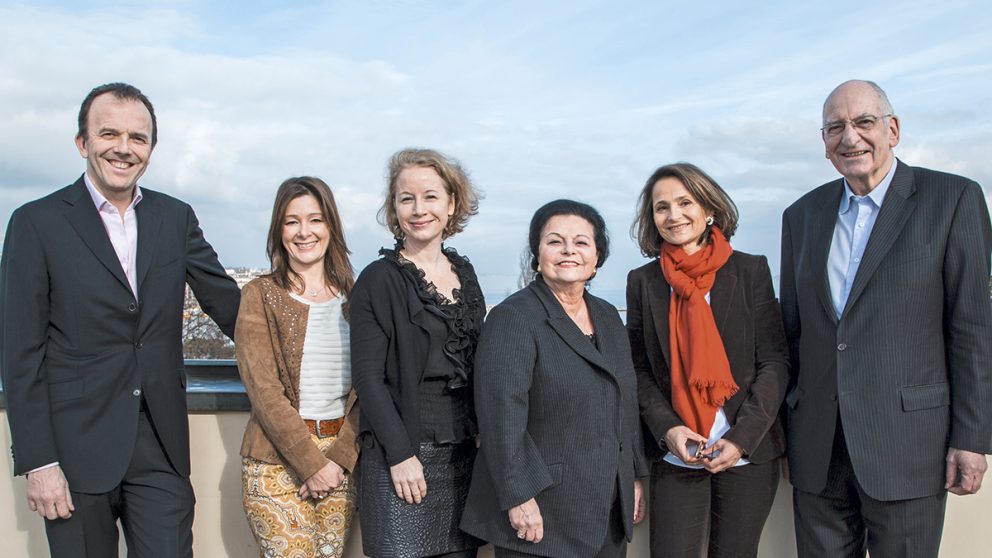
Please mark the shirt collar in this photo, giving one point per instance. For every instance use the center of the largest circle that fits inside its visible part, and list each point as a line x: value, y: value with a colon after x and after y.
x: 877, y: 195
x: 100, y: 201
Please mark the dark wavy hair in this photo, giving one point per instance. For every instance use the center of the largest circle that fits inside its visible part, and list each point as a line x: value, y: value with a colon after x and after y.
x: 337, y: 266
x: 555, y: 208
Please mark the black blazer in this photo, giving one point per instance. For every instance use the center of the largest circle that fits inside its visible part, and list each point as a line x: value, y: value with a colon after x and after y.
x: 909, y: 363
x: 79, y: 349
x: 389, y: 348
x: 558, y: 422
x: 748, y: 318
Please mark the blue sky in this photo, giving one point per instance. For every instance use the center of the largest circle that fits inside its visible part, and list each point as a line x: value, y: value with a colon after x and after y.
x: 538, y: 100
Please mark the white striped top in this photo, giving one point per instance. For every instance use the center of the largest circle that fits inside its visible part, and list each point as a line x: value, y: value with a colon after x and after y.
x: 325, y: 370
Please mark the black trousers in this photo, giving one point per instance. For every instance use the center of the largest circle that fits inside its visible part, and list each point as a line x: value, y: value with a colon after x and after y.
x: 844, y: 521
x: 153, y: 503
x: 731, y: 505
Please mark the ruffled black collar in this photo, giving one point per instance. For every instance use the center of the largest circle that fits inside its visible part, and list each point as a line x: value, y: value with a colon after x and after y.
x: 463, y: 315
x: 459, y: 264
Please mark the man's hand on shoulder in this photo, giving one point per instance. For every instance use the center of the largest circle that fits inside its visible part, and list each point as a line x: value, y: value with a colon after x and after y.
x: 965, y: 470
x: 48, y: 493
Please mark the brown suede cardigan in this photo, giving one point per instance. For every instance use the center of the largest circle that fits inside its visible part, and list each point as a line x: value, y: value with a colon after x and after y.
x: 269, y: 338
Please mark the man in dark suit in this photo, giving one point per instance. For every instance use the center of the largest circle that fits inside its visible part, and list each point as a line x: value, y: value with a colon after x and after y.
x: 885, y: 299
x: 92, y: 284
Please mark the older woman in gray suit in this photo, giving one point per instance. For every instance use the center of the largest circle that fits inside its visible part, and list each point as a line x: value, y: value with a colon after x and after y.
x: 556, y: 398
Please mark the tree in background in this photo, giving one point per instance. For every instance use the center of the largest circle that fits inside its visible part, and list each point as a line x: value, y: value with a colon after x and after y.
x: 202, y: 339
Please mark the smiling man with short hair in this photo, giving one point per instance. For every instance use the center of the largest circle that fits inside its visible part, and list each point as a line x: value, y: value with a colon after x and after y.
x: 92, y: 284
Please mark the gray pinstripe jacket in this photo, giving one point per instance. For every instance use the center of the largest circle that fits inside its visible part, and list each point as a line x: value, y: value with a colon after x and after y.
x: 909, y: 363
x: 558, y: 421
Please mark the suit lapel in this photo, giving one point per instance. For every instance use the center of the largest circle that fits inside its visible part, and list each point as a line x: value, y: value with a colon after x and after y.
x: 898, y: 205
x: 722, y: 294
x: 821, y: 234
x: 566, y: 328
x: 599, y: 313
x: 84, y: 218
x: 659, y: 305
x: 149, y: 220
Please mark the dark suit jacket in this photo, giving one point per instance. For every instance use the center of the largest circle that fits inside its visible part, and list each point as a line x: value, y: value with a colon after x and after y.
x: 909, y: 364
x: 78, y: 348
x: 558, y: 422
x: 750, y: 325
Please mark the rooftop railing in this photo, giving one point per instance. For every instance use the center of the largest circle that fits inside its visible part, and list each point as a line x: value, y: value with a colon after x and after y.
x: 211, y: 385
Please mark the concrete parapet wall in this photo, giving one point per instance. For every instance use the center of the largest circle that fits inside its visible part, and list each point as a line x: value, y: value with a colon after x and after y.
x: 220, y: 529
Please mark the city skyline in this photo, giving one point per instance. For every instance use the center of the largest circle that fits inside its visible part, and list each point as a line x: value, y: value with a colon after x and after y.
x: 537, y: 100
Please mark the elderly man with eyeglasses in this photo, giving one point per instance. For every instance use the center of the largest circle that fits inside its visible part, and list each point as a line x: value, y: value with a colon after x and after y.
x: 884, y: 288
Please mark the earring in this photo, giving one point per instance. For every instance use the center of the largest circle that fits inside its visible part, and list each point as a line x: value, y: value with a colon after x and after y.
x: 593, y: 276
x: 709, y: 220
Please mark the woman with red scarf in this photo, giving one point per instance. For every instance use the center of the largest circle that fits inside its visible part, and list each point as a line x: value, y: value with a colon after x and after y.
x: 712, y: 369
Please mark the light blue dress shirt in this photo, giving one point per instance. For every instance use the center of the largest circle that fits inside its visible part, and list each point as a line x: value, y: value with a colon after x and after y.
x: 855, y: 220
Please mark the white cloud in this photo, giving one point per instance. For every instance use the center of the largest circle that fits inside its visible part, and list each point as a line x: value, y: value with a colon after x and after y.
x: 580, y: 101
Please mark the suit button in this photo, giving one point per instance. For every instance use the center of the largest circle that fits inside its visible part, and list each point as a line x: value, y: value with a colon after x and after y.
x: 138, y: 345
x: 132, y: 307
x: 833, y: 397
x: 136, y: 393
x: 842, y: 346
x: 621, y: 447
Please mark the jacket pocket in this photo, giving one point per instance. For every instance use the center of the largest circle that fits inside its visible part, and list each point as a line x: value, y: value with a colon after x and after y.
x: 170, y: 259
x: 916, y: 398
x: 64, y: 380
x: 56, y: 374
x: 64, y: 391
x: 555, y: 470
x: 793, y: 397
x: 916, y: 254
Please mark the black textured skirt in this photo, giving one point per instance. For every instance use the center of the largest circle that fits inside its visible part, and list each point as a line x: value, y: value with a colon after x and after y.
x: 391, y: 528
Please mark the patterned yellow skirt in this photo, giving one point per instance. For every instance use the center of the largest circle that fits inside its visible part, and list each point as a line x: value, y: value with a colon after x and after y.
x: 286, y: 526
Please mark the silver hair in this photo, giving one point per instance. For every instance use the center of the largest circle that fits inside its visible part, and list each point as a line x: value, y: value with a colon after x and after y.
x: 883, y: 99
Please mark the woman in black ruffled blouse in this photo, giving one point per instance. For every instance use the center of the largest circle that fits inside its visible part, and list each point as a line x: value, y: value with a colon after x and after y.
x: 415, y: 320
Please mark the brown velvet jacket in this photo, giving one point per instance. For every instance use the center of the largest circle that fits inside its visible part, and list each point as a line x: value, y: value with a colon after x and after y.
x: 269, y: 338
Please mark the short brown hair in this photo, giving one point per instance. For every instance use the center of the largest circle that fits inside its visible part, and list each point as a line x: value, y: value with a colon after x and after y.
x: 121, y: 92
x: 456, y: 183
x: 701, y: 186
x: 337, y: 266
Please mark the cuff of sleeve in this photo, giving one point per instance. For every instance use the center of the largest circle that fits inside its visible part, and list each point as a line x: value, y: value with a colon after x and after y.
x: 340, y: 453
x: 731, y: 436
x: 395, y: 459
x: 662, y: 429
x: 42, y: 468
x: 305, y: 458
x: 524, y: 487
x: 977, y: 444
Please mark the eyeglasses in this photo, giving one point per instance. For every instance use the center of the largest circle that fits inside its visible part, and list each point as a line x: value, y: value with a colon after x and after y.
x: 862, y: 123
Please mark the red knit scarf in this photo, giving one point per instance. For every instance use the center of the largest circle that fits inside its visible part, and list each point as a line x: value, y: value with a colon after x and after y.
x: 701, y: 379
